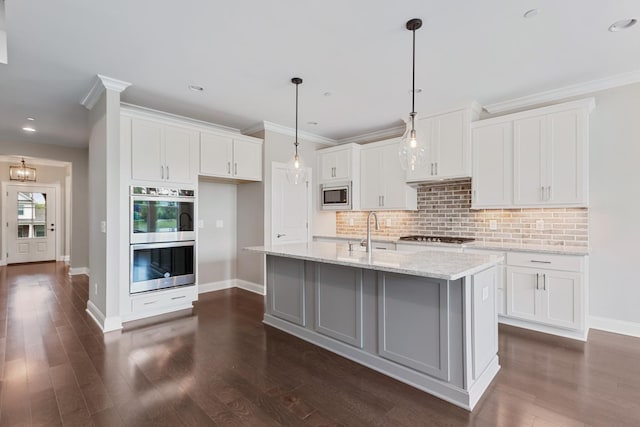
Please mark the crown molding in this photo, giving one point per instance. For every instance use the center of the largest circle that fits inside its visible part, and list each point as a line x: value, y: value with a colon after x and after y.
x: 375, y: 136
x: 553, y: 95
x: 285, y: 130
x: 101, y: 84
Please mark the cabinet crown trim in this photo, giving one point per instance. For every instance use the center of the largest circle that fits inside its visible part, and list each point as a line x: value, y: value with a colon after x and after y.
x: 285, y: 130
x: 588, y: 104
x: 101, y: 83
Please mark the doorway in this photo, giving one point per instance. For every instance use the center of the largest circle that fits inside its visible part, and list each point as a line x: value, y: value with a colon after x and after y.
x: 290, y: 207
x: 30, y: 216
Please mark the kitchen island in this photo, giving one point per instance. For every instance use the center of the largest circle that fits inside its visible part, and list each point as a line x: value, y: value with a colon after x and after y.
x: 426, y: 318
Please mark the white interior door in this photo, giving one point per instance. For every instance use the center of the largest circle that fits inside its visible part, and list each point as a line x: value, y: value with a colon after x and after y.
x: 30, y: 213
x: 290, y: 207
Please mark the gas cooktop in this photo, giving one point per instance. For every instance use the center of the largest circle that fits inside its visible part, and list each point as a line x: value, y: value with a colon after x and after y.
x: 437, y: 239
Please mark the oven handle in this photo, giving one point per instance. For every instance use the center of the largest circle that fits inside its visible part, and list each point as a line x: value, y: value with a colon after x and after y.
x: 163, y: 245
x: 181, y: 199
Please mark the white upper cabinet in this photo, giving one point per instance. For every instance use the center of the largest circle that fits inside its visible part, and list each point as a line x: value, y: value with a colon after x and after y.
x: 448, y: 145
x: 161, y: 152
x: 339, y: 163
x: 238, y: 158
x: 550, y: 159
x: 492, y: 152
x: 382, y: 179
x: 533, y: 158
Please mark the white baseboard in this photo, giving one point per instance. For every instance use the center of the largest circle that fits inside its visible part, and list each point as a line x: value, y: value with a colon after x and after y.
x: 64, y: 258
x: 106, y: 324
x: 3, y: 262
x: 75, y: 271
x: 614, y: 325
x: 565, y: 333
x: 215, y: 286
x: 250, y: 286
x: 231, y: 283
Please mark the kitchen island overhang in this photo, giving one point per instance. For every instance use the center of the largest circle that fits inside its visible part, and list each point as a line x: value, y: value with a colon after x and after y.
x: 428, y: 318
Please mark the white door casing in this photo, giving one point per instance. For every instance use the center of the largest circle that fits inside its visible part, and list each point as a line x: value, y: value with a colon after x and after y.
x: 290, y: 207
x: 37, y: 237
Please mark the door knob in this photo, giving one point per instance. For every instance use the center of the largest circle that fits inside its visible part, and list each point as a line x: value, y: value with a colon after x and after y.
x: 280, y: 235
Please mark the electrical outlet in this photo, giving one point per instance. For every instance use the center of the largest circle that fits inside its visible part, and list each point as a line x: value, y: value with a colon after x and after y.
x: 352, y: 222
x: 493, y: 224
x: 103, y: 226
x: 388, y: 222
x: 219, y: 223
x: 540, y: 224
x: 95, y: 289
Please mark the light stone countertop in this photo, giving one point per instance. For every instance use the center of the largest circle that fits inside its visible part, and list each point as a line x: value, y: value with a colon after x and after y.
x: 426, y: 263
x: 546, y: 249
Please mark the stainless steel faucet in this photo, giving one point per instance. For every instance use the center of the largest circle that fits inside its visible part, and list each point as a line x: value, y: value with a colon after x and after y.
x: 368, y: 243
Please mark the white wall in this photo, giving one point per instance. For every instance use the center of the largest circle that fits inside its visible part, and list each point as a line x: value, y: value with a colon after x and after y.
x: 614, y: 213
x: 78, y: 157
x: 217, y: 247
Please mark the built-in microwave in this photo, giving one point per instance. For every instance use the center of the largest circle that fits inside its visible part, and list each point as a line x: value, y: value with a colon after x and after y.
x: 156, y: 266
x: 161, y: 215
x: 336, y: 196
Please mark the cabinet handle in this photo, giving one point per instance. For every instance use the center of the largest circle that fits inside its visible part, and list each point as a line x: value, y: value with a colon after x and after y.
x: 382, y: 201
x: 167, y: 171
x: 150, y: 302
x: 537, y: 281
x: 475, y: 193
x: 162, y: 171
x: 235, y: 168
x: 229, y: 168
x: 175, y: 298
x: 542, y: 193
x: 549, y: 193
x: 436, y: 168
x: 540, y: 262
x: 431, y: 169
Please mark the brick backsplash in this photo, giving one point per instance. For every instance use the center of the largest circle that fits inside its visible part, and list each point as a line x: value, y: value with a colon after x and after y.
x: 444, y: 209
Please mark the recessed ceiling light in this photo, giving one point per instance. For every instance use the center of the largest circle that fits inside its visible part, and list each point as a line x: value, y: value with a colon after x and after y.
x: 196, y: 88
x: 531, y: 13
x: 327, y: 94
x: 312, y: 123
x: 28, y: 129
x: 623, y: 24
x: 30, y: 119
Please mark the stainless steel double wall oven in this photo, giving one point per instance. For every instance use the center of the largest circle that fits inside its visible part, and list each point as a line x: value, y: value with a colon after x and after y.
x: 162, y: 238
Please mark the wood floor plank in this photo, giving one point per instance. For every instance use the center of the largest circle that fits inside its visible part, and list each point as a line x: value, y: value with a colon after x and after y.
x: 222, y: 367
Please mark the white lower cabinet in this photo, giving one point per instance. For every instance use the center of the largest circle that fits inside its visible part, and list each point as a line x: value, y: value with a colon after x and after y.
x: 552, y: 295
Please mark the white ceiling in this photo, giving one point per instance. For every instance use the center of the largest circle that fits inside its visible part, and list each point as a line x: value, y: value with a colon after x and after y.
x: 244, y: 53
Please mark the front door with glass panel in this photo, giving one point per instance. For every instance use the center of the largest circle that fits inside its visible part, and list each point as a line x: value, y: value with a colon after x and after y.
x: 30, y: 213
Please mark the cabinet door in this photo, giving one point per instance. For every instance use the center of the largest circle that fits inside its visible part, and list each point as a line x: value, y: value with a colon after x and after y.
x: 216, y: 155
x: 566, y: 149
x: 371, y: 178
x: 147, y: 159
x: 562, y: 294
x: 424, y: 133
x: 529, y: 157
x: 247, y: 160
x: 492, y: 165
x: 394, y: 187
x: 343, y: 165
x: 286, y: 289
x: 327, y: 166
x: 522, y: 293
x: 451, y: 145
x: 180, y: 146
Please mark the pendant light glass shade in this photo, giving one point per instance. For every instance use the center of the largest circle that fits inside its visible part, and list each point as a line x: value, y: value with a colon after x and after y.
x: 412, y: 150
x: 296, y: 171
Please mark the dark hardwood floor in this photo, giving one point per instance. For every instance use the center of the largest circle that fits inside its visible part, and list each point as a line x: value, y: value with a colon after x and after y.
x: 221, y: 366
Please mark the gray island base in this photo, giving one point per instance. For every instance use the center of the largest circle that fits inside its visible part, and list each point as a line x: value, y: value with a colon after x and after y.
x: 427, y: 319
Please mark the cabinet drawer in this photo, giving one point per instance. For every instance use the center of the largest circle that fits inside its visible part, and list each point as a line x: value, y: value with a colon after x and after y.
x: 163, y: 299
x: 546, y: 261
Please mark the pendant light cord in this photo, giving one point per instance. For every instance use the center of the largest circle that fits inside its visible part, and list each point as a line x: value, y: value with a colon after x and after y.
x: 296, y: 143
x: 413, y: 81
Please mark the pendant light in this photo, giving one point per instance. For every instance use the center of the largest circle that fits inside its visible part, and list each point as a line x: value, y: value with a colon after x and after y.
x: 296, y: 172
x: 22, y: 173
x: 412, y: 151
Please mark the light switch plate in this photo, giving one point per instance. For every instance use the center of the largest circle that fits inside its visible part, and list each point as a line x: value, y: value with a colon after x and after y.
x: 219, y: 223
x: 485, y: 293
x: 200, y: 223
x: 352, y: 222
x: 540, y: 224
x: 493, y: 224
x: 387, y: 222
